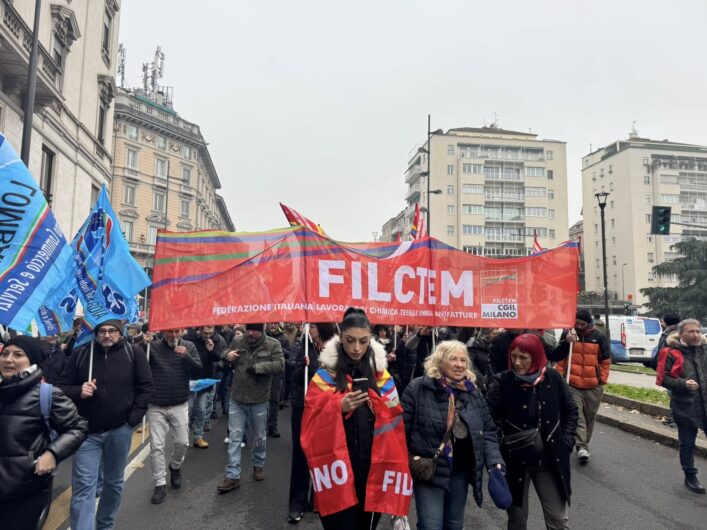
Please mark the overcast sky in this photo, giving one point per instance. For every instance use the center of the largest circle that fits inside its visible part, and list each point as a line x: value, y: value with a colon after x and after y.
x: 318, y: 103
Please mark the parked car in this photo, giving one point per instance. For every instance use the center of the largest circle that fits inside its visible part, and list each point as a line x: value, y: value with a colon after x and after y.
x: 634, y: 338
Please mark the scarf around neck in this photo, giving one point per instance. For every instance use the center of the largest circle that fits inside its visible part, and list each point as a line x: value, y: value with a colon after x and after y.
x: 530, y: 380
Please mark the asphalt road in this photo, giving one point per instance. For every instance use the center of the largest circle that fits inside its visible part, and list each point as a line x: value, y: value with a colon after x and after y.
x: 630, y: 483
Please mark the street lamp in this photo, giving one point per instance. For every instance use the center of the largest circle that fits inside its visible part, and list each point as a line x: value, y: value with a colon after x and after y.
x: 601, y: 200
x: 623, y: 288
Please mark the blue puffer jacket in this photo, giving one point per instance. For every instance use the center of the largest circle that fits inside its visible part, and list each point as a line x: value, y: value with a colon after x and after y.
x: 425, y: 408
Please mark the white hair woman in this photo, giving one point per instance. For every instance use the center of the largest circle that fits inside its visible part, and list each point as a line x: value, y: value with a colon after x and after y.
x: 446, y: 418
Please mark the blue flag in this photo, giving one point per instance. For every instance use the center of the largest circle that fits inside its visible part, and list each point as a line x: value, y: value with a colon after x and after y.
x: 107, y: 276
x: 35, y: 258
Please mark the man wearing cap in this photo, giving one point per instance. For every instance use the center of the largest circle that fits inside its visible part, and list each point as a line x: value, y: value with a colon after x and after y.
x: 113, y: 398
x: 589, y: 372
x: 255, y: 358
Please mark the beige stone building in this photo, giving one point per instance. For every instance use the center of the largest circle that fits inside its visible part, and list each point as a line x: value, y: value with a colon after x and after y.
x: 639, y: 173
x: 163, y: 173
x: 495, y: 189
x: 72, y: 134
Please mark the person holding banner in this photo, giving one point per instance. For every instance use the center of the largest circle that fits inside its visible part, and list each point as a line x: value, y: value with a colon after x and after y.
x: 446, y: 419
x: 29, y: 453
x: 173, y: 362
x: 538, y: 418
x: 352, y: 433
x: 300, y: 484
x: 111, y: 387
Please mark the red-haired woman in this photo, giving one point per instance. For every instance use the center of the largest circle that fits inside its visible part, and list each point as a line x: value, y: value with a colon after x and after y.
x: 535, y: 411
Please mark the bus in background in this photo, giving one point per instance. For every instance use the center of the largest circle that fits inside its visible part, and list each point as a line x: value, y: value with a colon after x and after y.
x: 633, y: 338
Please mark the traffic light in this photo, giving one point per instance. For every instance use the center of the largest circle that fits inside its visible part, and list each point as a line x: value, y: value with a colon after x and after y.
x: 660, y: 220
x: 627, y: 308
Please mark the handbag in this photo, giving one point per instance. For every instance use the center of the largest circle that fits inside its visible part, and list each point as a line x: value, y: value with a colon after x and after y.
x: 525, y: 445
x: 423, y: 468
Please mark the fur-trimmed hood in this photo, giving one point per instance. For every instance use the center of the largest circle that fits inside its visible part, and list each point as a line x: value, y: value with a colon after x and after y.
x: 673, y: 340
x: 330, y: 354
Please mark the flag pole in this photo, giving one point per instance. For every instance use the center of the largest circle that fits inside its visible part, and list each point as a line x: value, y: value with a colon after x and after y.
x: 569, y: 362
x: 143, y: 418
x: 90, y: 364
x: 306, y: 355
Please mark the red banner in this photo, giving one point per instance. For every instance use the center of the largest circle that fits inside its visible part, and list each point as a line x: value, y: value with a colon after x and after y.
x: 297, y: 275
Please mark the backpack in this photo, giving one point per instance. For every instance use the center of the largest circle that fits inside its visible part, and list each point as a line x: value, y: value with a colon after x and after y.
x: 45, y: 406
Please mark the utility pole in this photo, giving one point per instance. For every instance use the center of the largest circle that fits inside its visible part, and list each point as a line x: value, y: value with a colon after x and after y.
x: 31, y: 87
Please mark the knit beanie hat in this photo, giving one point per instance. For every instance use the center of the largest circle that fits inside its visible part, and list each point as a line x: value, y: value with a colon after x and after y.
x: 35, y: 349
x: 254, y: 327
x: 584, y: 316
x: 117, y: 324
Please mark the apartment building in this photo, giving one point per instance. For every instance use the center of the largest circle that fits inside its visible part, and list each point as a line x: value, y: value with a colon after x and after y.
x: 638, y: 173
x: 163, y: 175
x: 72, y: 135
x: 490, y: 190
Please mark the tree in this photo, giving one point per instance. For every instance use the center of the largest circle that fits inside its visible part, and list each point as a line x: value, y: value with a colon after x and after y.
x: 689, y: 298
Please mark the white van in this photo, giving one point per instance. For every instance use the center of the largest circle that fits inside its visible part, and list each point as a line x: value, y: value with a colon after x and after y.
x: 634, y: 339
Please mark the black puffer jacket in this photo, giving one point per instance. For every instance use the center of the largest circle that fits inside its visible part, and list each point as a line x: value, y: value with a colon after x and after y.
x: 24, y: 436
x: 515, y: 407
x: 425, y: 407
x: 172, y: 373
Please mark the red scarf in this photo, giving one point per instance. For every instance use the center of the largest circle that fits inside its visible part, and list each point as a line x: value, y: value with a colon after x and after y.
x: 323, y: 439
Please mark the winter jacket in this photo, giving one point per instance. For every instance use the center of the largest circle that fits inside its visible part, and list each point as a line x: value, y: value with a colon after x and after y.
x: 123, y: 385
x: 515, y: 408
x: 254, y: 368
x: 171, y: 373
x: 689, y: 407
x: 207, y: 358
x: 24, y: 436
x: 479, y: 349
x: 502, y: 343
x: 425, y: 407
x: 295, y: 365
x: 417, y: 349
x: 53, y: 364
x: 591, y: 359
x: 662, y: 343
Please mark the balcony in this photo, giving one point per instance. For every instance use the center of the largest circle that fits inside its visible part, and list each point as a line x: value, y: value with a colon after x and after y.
x: 699, y: 206
x: 413, y: 194
x: 504, y: 237
x: 413, y: 174
x: 504, y: 197
x: 506, y: 217
x: 503, y: 176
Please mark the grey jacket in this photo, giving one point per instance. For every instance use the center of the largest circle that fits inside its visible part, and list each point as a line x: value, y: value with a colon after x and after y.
x: 254, y: 368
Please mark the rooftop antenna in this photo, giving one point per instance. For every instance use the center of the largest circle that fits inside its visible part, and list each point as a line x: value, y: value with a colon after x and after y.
x: 495, y: 120
x: 634, y: 132
x: 121, y: 64
x: 152, y: 72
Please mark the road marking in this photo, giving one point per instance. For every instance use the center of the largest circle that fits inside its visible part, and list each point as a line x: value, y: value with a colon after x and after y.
x: 59, y: 511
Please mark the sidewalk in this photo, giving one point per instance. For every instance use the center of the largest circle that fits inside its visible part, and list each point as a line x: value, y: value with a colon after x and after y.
x: 633, y: 379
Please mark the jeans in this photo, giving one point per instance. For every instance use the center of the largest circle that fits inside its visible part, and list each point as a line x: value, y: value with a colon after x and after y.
x: 201, y: 411
x: 240, y: 415
x: 439, y: 509
x: 687, y: 437
x: 162, y: 421
x: 112, y: 449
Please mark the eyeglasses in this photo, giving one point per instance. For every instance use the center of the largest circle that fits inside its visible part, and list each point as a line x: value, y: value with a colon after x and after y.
x: 363, y: 341
x: 108, y: 331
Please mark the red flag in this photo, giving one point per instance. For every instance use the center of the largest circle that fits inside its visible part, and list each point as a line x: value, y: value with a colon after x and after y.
x: 537, y: 248
x: 417, y: 231
x: 295, y: 218
x: 399, y: 239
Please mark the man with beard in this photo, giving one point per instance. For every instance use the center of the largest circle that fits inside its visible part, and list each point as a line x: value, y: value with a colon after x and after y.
x: 173, y: 362
x: 256, y: 358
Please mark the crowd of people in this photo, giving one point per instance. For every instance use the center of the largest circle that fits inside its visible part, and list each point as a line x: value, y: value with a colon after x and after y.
x: 379, y: 414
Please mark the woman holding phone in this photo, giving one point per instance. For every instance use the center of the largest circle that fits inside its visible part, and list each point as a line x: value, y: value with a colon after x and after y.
x: 349, y: 416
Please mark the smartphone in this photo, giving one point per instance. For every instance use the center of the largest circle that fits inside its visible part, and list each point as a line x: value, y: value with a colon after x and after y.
x: 360, y: 384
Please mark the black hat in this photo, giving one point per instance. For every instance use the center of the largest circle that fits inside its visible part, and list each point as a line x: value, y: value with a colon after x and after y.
x: 584, y: 316
x: 254, y: 327
x: 117, y: 324
x: 35, y: 349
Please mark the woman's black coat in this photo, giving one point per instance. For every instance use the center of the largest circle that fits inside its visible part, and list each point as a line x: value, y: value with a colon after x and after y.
x: 24, y: 436
x: 514, y: 405
x: 425, y: 407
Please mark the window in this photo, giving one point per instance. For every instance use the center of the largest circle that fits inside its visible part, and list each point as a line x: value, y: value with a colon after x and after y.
x: 47, y: 172
x: 536, y: 212
x: 161, y: 168
x: 450, y: 189
x: 105, y: 38
x: 668, y: 179
x: 611, y: 203
x: 474, y: 250
x: 473, y: 188
x: 58, y: 52
x: 127, y: 228
x: 101, y: 130
x: 596, y: 228
x: 666, y: 198
x: 530, y: 231
x: 473, y: 168
x: 596, y: 263
x: 129, y: 195
x: 613, y: 223
x: 551, y: 233
x: 184, y: 210
x: 613, y: 241
x: 186, y: 152
x: 611, y: 169
x: 450, y: 209
x: 158, y: 202
x: 550, y: 174
x: 161, y: 143
x: 450, y: 230
x: 646, y: 179
x: 132, y: 132
x: 450, y: 169
x: 95, y: 191
x: 611, y: 186
x: 548, y: 156
x: 651, y: 257
x: 534, y: 171
x: 131, y: 158
x: 152, y: 235
x: 186, y: 176
x: 613, y: 260
x: 473, y: 230
x: 551, y: 214
x: 535, y: 192
x: 450, y: 149
x: 472, y: 209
